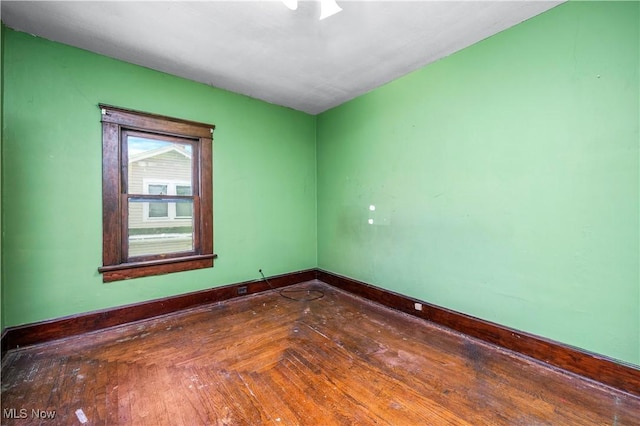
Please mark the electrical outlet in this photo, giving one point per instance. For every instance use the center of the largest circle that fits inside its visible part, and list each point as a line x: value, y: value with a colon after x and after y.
x: 242, y: 289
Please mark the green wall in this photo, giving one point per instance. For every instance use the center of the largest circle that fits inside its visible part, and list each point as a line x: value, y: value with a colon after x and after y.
x: 505, y: 180
x: 264, y: 180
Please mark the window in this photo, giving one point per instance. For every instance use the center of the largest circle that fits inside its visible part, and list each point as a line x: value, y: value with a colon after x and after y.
x: 157, y: 194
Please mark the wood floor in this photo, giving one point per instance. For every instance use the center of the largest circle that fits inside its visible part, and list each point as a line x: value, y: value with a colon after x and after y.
x: 265, y: 359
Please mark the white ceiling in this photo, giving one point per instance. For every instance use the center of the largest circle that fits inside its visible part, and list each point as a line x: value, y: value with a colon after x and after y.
x: 266, y: 51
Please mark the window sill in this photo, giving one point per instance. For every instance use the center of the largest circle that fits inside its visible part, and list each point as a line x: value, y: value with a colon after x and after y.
x: 125, y: 271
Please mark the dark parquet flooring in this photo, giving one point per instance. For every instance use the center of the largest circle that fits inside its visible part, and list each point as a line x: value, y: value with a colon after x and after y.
x: 264, y: 359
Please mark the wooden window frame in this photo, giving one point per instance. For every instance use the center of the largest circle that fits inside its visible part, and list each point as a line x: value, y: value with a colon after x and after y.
x: 115, y: 264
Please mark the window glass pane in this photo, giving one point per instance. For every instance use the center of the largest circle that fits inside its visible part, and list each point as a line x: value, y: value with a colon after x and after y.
x: 158, y: 189
x: 184, y: 209
x: 158, y: 236
x: 158, y: 210
x: 183, y: 190
x: 155, y: 160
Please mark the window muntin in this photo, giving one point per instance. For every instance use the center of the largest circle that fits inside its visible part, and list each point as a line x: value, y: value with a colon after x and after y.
x: 157, y: 194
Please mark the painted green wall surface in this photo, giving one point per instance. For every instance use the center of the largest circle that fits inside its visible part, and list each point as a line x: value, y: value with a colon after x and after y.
x: 264, y: 180
x: 504, y: 179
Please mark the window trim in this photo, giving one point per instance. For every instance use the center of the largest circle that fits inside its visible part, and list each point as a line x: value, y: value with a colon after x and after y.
x: 116, y: 121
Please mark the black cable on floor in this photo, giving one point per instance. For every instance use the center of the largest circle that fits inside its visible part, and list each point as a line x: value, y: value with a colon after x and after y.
x: 309, y: 294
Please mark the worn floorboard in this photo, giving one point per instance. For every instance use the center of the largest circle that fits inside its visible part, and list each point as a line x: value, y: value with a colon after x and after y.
x: 265, y: 359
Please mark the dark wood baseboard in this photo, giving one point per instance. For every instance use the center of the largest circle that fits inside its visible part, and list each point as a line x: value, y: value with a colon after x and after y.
x: 614, y: 373
x: 40, y: 332
x: 625, y: 377
x: 3, y: 342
